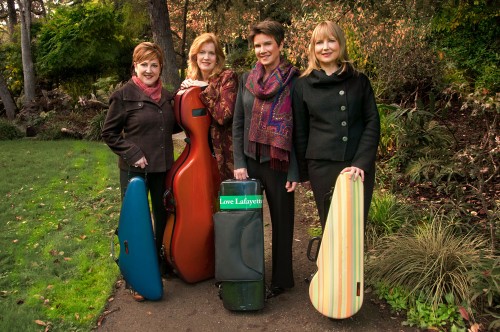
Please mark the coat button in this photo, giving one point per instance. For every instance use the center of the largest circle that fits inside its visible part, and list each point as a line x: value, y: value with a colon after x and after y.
x: 344, y: 123
x: 341, y: 92
x: 342, y: 108
x: 139, y: 104
x: 344, y: 138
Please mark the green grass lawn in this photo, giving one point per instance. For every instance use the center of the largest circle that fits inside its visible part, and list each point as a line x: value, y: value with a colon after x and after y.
x: 59, y: 207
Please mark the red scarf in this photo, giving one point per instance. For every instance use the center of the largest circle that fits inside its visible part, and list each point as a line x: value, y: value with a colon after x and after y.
x: 153, y: 92
x: 271, y: 125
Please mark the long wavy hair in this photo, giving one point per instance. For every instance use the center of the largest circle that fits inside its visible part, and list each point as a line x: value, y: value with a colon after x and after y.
x: 327, y: 29
x: 193, y: 71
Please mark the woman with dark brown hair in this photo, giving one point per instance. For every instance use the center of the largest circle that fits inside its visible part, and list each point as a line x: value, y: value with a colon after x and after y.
x: 262, y: 140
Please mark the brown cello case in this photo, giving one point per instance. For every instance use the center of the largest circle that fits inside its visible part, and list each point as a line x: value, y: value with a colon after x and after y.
x: 191, y: 195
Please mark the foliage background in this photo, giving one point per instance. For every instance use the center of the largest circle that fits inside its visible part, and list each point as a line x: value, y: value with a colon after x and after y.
x: 433, y: 65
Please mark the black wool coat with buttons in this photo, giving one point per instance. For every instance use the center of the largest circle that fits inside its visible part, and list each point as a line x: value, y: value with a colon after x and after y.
x: 137, y: 126
x: 336, y: 119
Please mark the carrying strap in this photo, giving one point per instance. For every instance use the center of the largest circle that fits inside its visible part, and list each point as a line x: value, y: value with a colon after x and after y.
x: 113, y: 256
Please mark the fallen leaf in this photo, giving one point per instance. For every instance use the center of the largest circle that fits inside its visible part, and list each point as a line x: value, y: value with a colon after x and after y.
x: 475, y: 327
x: 463, y: 313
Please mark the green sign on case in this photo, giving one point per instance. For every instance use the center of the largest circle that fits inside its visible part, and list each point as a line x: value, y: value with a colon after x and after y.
x: 241, y: 202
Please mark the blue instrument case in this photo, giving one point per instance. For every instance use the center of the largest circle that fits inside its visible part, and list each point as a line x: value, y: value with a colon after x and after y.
x: 138, y: 258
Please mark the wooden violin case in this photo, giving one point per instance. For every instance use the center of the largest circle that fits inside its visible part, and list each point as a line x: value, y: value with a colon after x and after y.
x: 191, y: 195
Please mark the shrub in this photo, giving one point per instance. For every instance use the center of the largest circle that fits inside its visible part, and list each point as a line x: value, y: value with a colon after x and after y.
x: 485, y: 290
x: 423, y: 315
x: 396, y: 297
x: 95, y: 126
x: 9, y: 131
x: 387, y: 214
x: 430, y: 257
x: 423, y: 150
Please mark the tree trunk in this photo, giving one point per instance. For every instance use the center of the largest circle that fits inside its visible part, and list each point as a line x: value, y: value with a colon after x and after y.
x: 162, y: 35
x: 28, y: 68
x: 12, y: 21
x: 184, y: 39
x: 6, y: 97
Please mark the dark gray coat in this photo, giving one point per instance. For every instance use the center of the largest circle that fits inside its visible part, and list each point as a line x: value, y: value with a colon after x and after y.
x: 241, y: 127
x: 136, y: 126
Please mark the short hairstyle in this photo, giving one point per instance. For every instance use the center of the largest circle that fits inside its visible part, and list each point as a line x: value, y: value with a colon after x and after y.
x: 327, y: 29
x: 193, y: 71
x: 270, y: 28
x: 148, y: 51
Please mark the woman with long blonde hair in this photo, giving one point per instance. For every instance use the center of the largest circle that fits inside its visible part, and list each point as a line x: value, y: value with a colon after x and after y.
x: 206, y: 68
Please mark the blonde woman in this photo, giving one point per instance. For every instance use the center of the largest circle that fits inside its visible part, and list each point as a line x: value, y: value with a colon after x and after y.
x: 336, y: 122
x: 206, y: 69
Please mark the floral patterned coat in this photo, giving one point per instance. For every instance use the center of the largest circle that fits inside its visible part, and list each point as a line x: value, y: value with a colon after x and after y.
x: 220, y: 97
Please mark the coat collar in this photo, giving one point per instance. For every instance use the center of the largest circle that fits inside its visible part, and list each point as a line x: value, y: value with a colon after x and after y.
x: 320, y: 78
x: 131, y: 92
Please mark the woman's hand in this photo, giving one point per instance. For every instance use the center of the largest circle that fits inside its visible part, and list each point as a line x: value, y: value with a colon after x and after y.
x: 142, y: 163
x: 241, y: 174
x: 290, y: 186
x: 187, y: 83
x: 354, y: 171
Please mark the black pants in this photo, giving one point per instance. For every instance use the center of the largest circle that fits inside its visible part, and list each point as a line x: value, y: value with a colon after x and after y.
x: 324, y: 173
x: 281, y: 207
x: 155, y: 184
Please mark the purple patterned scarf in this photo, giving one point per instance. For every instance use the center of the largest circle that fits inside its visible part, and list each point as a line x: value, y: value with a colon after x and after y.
x: 272, y: 123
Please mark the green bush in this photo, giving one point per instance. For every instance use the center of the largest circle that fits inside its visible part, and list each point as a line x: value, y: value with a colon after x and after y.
x: 425, y: 316
x: 466, y: 35
x: 387, y: 214
x: 396, y: 297
x: 9, y: 131
x: 95, y: 126
x: 391, y: 129
x: 88, y: 37
x: 423, y: 151
x: 485, y: 291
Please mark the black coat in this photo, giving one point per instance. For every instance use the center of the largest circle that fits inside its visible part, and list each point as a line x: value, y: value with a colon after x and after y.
x: 335, y: 118
x: 137, y: 126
